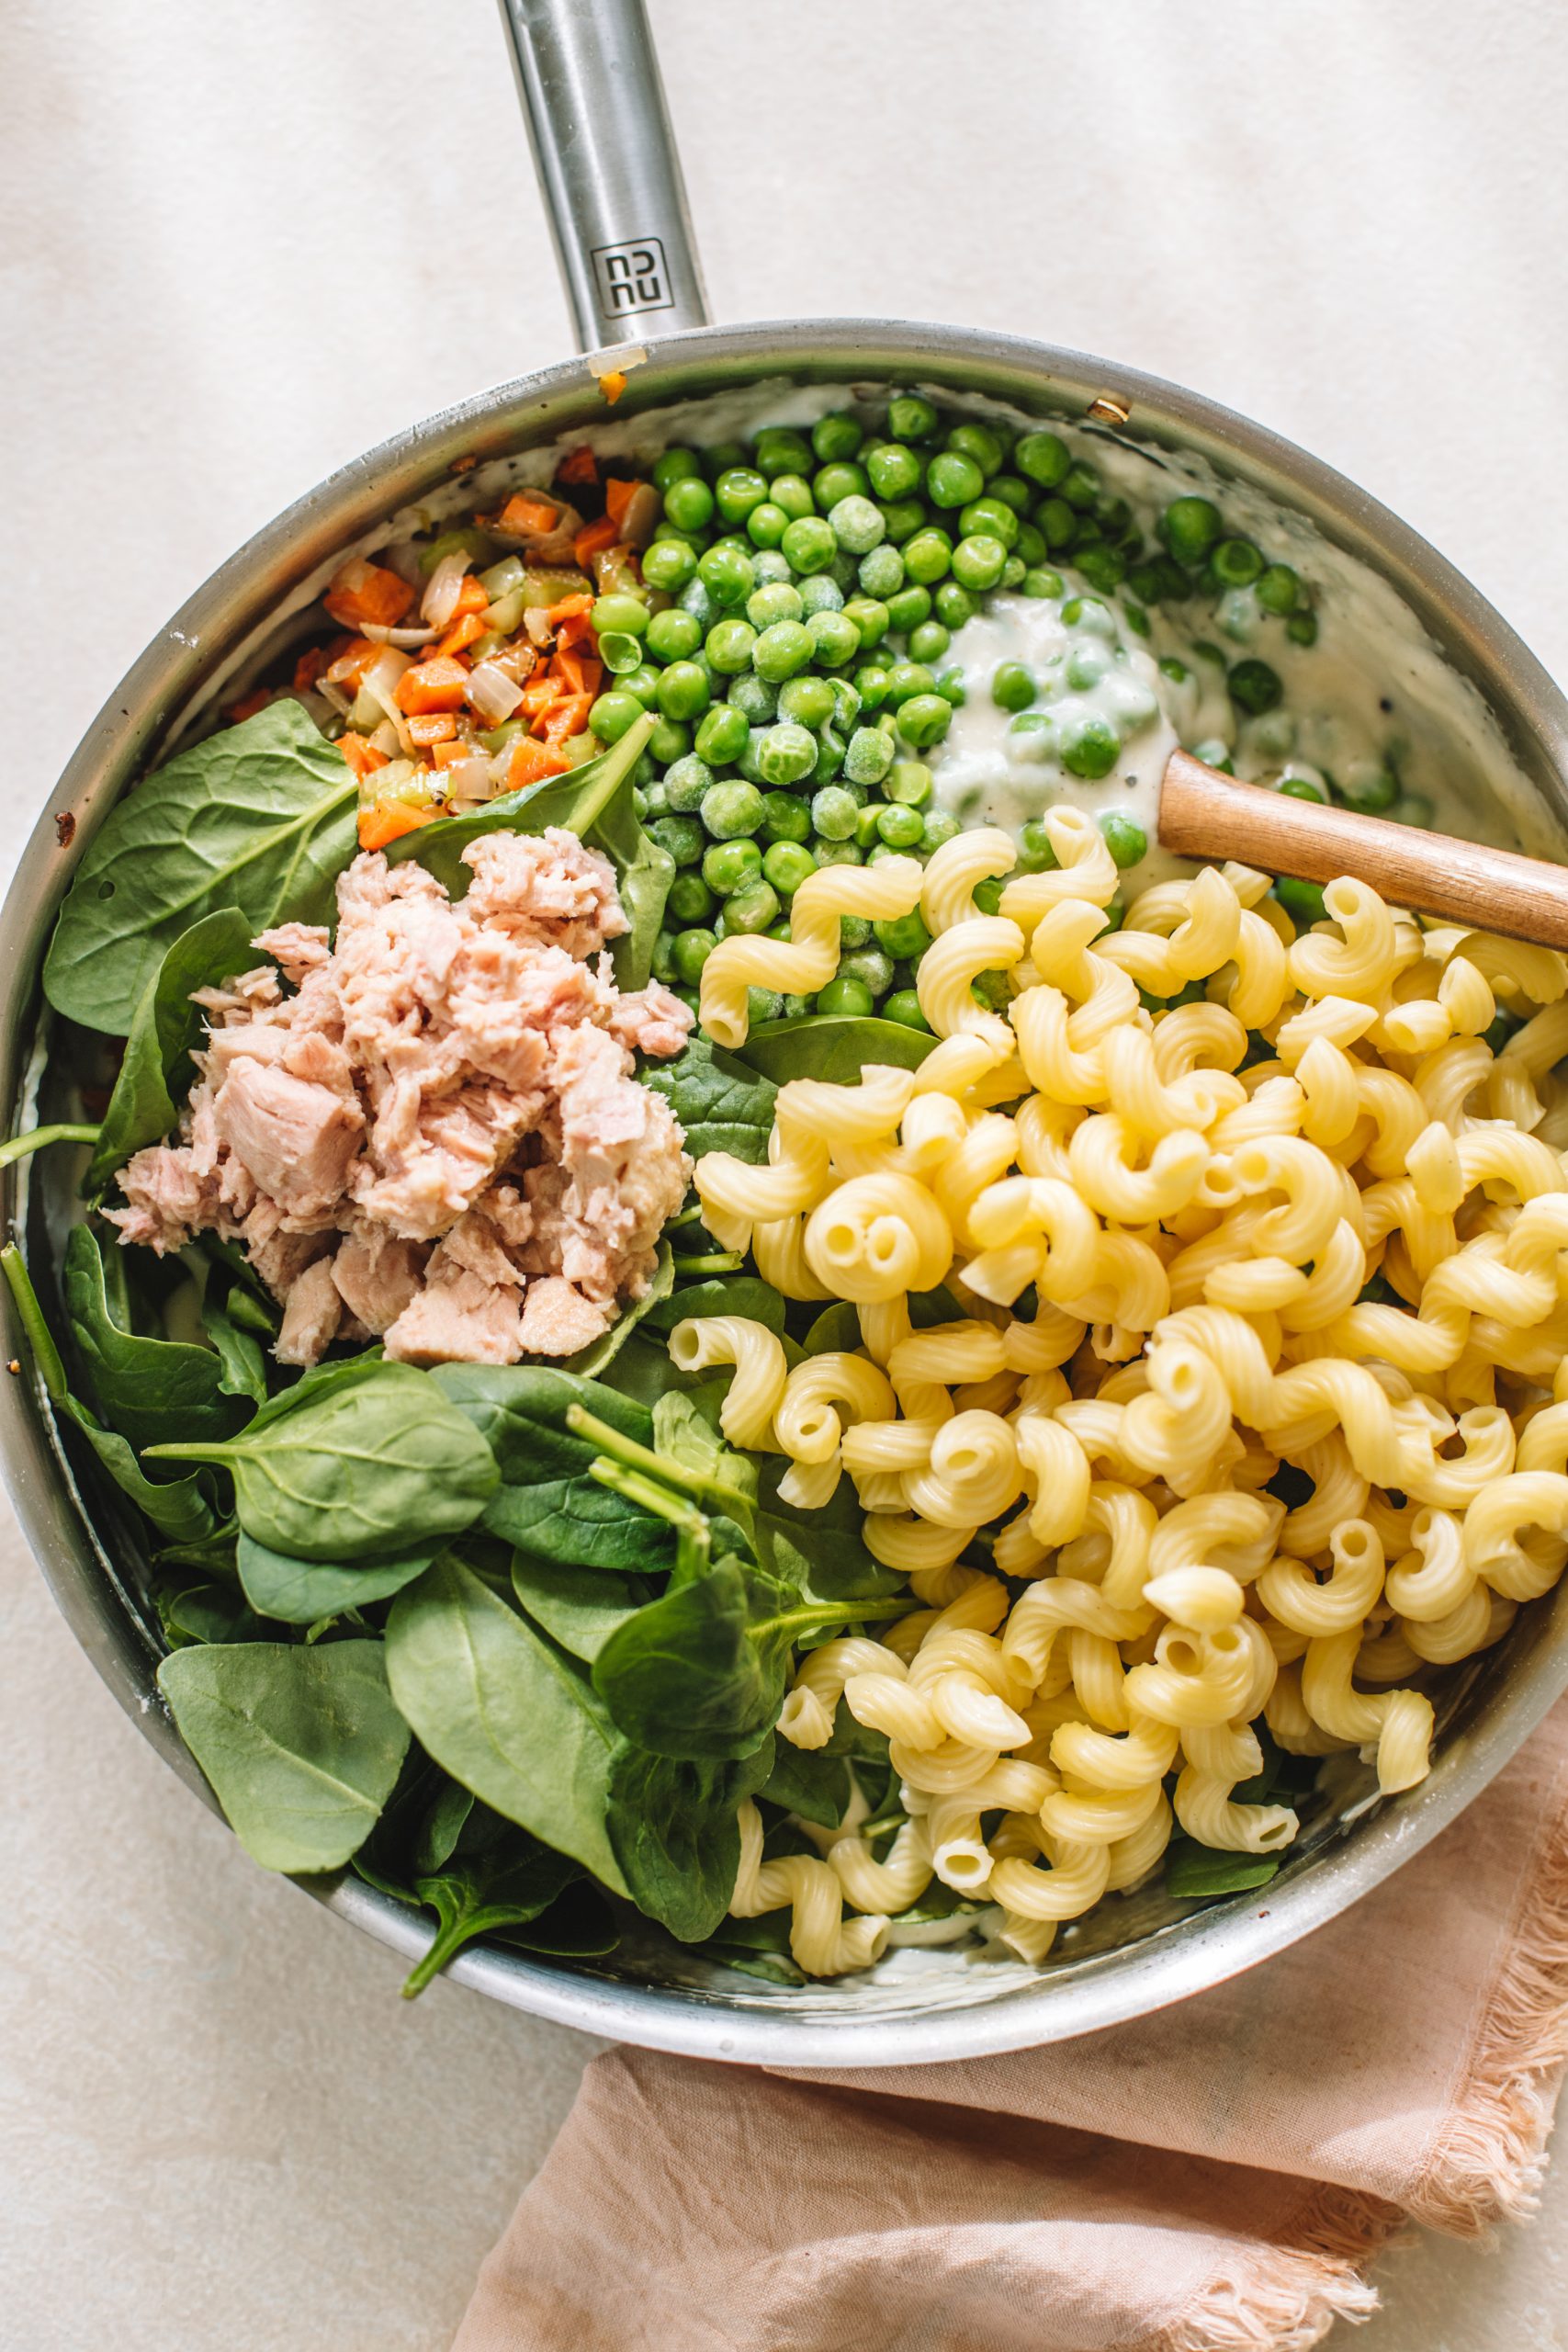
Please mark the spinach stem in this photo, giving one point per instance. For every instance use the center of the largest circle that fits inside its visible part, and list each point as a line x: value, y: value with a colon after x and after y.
x: 626, y: 1450
x: 882, y: 1824
x: 18, y: 1147
x: 39, y: 1337
x: 649, y: 1495
x: 718, y: 1262
x: 834, y: 1613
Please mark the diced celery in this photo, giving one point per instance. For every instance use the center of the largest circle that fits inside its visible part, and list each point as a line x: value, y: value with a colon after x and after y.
x: 503, y: 616
x: 503, y: 578
x: 476, y: 544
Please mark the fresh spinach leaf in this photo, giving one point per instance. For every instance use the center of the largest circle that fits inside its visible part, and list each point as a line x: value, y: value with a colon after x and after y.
x: 822, y: 1552
x: 684, y: 1435
x: 372, y: 1465
x: 205, y: 1612
x: 673, y: 1829
x: 579, y: 1925
x: 701, y: 1671
x: 502, y: 1710
x: 261, y: 816
x: 301, y: 1592
x: 812, y: 1784
x: 150, y: 1390
x: 156, y: 1071
x: 243, y: 1372
x: 303, y: 1746
x: 595, y: 801
x: 722, y: 1105
x: 579, y: 1608
x: 548, y: 1502
x: 1192, y: 1872
x: 833, y: 1046
x: 836, y: 1330
x: 758, y: 1948
x: 497, y: 1876
x: 745, y: 1295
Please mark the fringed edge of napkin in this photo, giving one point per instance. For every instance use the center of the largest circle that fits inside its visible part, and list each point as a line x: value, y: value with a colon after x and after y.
x: 1488, y: 2161
x: 1285, y: 2298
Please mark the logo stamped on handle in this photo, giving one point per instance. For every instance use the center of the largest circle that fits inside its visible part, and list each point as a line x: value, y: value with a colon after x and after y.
x: 632, y: 277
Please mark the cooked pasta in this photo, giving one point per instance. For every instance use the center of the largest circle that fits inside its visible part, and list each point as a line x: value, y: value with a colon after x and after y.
x: 1248, y: 1415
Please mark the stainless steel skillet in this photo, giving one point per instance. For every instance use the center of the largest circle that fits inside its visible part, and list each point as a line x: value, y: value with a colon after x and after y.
x: 613, y: 193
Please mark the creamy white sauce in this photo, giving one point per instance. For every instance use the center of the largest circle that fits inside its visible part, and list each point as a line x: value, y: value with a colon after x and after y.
x: 1373, y: 691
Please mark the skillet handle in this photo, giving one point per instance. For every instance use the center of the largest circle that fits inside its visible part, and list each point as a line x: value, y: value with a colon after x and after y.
x: 589, y: 80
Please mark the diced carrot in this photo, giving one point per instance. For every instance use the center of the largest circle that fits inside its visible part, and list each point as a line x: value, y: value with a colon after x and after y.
x: 576, y: 629
x: 354, y: 657
x: 539, y: 693
x: 569, y: 608
x: 447, y: 754
x: 567, y: 717
x: 361, y: 754
x: 530, y: 761
x: 439, y: 683
x: 390, y: 819
x: 432, y: 727
x: 591, y: 537
x: 248, y: 705
x: 613, y: 385
x: 464, y: 631
x: 580, y: 672
x: 368, y: 591
x: 618, y: 496
x: 472, y: 597
x: 309, y: 667
x: 577, y: 465
x: 524, y: 514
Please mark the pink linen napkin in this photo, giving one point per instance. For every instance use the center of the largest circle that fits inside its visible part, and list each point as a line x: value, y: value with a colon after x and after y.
x: 1213, y: 2179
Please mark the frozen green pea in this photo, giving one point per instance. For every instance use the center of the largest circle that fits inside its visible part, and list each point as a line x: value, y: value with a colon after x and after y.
x: 1044, y: 457
x: 668, y: 565
x: 721, y: 737
x: 729, y: 866
x: 771, y: 563
x: 869, y: 615
x: 908, y: 608
x: 977, y: 561
x: 924, y: 719
x: 1126, y: 840
x: 691, y: 951
x: 730, y: 811
x: 904, y: 517
x: 846, y: 701
x: 953, y: 604
x: 820, y: 593
x: 928, y: 557
x: 899, y: 826
x: 1368, y: 785
x: 782, y: 648
x: 786, y: 753
x: 1035, y: 855
x: 777, y: 600
x: 1303, y: 901
x: 764, y: 1004
x: 1087, y: 665
x: 881, y: 574
x: 835, y: 639
x: 728, y: 646
x: 867, y: 756
x: 990, y: 518
x: 830, y: 747
x: 807, y: 699
x: 865, y: 826
x: 893, y: 470
x: 988, y: 893
x: 833, y: 483
x: 809, y: 543
x: 766, y: 525
x: 834, y: 813
x: 909, y: 783
x: 782, y: 450
x: 928, y: 640
x: 786, y: 865
x: 1091, y: 614
x: 940, y: 826
x: 847, y: 996
x: 753, y: 908
x: 904, y: 936
x: 904, y: 1006
x: 1254, y: 687
x: 755, y: 697
x: 950, y: 686
x: 785, y: 817
x: 1090, y: 748
x: 871, y: 683
x: 836, y: 853
x: 673, y: 636
x: 683, y: 692
x: 869, y: 967
x: 1034, y: 735
x: 1013, y: 687
x: 857, y: 524
x: 612, y: 714
x: 684, y: 837
x: 792, y: 492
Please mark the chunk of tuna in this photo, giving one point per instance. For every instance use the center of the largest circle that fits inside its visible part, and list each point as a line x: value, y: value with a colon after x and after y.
x: 458, y: 1317
x: 297, y: 1138
x: 377, y: 1275
x: 311, y: 1315
x: 546, y: 887
x: 558, y: 1320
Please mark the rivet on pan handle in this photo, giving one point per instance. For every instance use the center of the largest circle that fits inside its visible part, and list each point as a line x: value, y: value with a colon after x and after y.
x: 610, y: 179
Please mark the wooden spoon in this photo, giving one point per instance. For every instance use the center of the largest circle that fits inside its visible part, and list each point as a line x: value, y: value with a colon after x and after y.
x: 1205, y: 814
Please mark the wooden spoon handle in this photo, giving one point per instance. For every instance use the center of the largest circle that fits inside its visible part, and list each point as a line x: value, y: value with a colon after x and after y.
x: 1205, y: 814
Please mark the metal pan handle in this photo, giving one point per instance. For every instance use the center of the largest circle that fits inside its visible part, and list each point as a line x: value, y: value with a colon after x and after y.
x: 610, y: 179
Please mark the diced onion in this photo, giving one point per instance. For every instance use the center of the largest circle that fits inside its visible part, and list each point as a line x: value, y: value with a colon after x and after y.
x: 445, y: 586
x: 380, y: 687
x: 470, y: 780
x: 379, y: 634
x: 540, y: 629
x: 385, y: 739
x: 491, y: 692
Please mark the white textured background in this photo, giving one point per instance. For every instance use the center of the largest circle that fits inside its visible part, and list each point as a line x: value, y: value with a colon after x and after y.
x: 240, y: 244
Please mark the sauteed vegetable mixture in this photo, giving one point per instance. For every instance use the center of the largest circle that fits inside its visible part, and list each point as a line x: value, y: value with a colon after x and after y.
x: 689, y: 1320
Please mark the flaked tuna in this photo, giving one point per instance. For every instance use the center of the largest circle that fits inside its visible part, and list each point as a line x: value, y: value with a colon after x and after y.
x: 437, y: 1134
